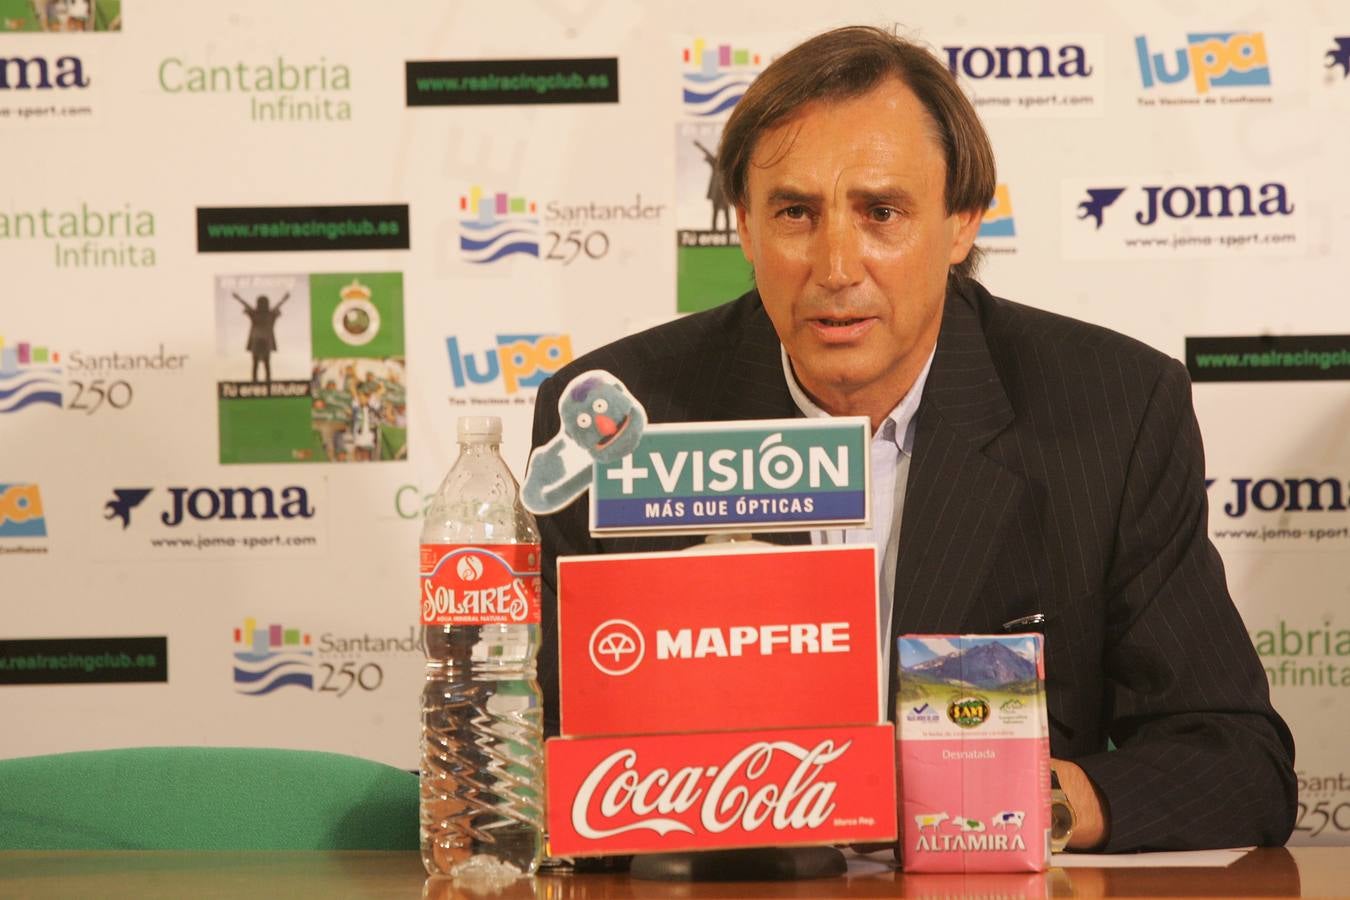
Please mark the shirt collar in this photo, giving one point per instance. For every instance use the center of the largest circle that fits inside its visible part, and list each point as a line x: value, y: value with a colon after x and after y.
x: 903, y: 416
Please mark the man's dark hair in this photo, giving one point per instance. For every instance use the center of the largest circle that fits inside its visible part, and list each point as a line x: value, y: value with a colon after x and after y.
x: 847, y: 63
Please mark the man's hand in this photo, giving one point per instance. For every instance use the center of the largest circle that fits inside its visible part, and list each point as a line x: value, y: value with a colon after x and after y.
x: 1090, y: 828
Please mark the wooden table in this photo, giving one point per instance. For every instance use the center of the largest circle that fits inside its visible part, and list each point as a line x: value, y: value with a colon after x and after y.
x: 1293, y: 872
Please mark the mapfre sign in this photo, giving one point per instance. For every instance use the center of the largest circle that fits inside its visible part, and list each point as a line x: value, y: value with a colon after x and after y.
x: 668, y: 792
x: 762, y: 637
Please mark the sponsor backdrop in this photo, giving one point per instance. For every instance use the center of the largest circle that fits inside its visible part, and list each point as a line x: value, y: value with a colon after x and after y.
x: 258, y: 256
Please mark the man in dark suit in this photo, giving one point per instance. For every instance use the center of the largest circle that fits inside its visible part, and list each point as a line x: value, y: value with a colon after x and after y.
x: 1052, y: 468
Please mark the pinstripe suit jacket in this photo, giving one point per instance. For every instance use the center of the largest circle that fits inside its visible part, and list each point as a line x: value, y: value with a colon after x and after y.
x: 1057, y: 469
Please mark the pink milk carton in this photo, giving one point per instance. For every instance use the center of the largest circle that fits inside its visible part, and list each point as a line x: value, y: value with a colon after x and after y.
x: 974, y: 753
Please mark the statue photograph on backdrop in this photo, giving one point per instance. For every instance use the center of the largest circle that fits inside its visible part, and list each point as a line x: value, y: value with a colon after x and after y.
x: 60, y: 15
x: 311, y: 368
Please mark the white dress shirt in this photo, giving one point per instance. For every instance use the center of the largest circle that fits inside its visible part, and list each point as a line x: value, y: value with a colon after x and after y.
x: 892, y: 447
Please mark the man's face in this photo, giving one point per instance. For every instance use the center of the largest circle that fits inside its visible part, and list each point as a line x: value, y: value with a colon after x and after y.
x: 848, y: 233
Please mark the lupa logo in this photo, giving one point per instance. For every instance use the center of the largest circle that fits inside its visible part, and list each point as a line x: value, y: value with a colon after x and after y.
x: 21, y: 512
x: 998, y: 219
x: 1217, y: 59
x: 518, y: 361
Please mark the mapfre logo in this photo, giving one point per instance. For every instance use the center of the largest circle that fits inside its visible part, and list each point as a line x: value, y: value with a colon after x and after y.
x: 764, y: 661
x: 617, y: 647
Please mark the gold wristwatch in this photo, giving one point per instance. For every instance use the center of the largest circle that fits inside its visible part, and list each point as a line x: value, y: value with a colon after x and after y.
x: 1062, y: 818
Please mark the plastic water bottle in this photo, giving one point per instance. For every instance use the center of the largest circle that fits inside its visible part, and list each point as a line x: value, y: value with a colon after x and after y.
x: 482, y: 720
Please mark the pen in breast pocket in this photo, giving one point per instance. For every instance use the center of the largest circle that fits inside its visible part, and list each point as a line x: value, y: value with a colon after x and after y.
x: 1033, y: 622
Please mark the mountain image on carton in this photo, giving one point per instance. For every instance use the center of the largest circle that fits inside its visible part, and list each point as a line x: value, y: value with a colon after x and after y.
x: 988, y: 666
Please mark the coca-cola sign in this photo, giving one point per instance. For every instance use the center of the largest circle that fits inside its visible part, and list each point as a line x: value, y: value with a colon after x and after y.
x: 772, y: 637
x: 778, y: 788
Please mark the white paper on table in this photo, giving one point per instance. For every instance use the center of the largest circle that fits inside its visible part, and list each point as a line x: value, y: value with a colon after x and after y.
x: 1166, y: 859
x: 880, y: 862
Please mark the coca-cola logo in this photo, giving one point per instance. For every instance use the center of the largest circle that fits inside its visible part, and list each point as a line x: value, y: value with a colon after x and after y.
x: 617, y: 647
x: 738, y: 793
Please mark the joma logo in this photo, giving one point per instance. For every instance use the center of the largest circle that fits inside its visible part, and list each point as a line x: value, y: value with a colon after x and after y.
x: 226, y: 504
x: 20, y: 73
x: 979, y: 63
x: 1283, y: 495
x: 1200, y: 201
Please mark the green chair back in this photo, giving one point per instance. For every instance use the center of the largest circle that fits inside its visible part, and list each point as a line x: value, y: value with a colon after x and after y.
x: 205, y: 798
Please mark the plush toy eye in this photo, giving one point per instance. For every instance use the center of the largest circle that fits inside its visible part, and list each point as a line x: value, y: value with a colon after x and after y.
x: 584, y: 420
x: 600, y: 405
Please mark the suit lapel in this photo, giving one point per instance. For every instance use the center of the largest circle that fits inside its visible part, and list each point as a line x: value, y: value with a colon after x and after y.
x: 751, y: 385
x: 744, y: 383
x: 958, y: 501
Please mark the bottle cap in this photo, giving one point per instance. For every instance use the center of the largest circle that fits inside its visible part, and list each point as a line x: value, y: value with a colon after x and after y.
x: 480, y: 429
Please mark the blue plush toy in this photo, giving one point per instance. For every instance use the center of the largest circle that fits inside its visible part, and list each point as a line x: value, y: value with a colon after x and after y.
x: 598, y: 415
